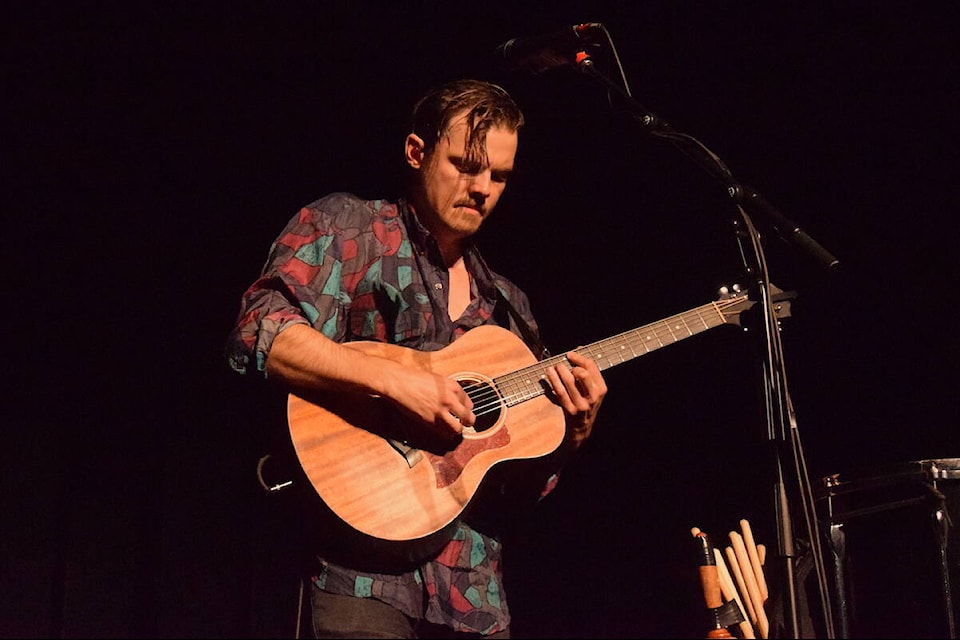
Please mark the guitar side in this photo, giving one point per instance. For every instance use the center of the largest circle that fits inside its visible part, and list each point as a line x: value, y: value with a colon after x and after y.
x: 368, y: 482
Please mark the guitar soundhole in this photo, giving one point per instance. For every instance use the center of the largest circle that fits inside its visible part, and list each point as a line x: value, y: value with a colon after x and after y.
x: 487, y: 403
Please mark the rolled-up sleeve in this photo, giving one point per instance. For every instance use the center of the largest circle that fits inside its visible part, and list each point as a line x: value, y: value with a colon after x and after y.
x: 265, y: 312
x: 300, y: 284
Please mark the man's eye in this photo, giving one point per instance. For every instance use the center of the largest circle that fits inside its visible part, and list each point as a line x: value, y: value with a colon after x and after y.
x: 469, y: 168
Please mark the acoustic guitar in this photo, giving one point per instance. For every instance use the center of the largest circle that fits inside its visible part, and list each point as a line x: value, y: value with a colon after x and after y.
x: 352, y: 450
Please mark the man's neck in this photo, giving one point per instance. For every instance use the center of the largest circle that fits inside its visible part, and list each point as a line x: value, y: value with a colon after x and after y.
x: 451, y: 245
x: 452, y: 251
x: 458, y: 295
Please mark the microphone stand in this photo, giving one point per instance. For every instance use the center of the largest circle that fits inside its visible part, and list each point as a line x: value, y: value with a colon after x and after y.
x: 782, y: 431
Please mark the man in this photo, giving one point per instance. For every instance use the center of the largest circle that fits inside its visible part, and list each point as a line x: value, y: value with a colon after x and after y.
x: 407, y: 273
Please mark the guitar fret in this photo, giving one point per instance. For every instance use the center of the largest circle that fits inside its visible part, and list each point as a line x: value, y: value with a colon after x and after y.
x: 665, y: 334
x: 673, y: 336
x: 521, y: 385
x: 701, y: 319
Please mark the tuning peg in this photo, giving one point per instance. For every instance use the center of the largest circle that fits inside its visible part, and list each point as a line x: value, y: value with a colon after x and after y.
x: 725, y: 290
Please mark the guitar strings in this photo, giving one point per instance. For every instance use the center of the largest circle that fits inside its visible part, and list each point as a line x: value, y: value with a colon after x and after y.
x: 527, y: 383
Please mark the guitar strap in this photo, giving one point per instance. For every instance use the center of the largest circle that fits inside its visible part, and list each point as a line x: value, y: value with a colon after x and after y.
x: 533, y: 342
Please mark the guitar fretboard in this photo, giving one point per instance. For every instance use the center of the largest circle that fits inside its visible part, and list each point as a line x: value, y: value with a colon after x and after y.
x: 527, y: 383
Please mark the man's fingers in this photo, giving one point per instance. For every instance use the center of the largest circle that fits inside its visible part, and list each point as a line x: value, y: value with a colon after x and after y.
x: 559, y: 377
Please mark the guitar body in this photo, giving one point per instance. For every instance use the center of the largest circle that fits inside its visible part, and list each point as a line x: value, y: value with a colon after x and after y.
x: 396, y: 493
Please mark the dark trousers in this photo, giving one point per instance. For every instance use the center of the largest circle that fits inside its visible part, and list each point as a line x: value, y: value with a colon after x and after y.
x: 336, y: 616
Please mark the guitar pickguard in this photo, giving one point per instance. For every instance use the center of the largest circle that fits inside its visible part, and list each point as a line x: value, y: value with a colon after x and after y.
x: 449, y: 466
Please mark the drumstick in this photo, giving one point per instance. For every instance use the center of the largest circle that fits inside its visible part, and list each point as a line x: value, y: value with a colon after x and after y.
x: 762, y: 552
x: 750, y: 578
x: 730, y: 593
x: 754, y: 558
x: 738, y: 574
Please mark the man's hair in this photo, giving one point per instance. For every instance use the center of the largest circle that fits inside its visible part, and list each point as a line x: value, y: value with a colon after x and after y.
x: 486, y: 105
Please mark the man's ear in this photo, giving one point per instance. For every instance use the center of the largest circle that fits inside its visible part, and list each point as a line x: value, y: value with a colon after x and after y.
x: 415, y: 151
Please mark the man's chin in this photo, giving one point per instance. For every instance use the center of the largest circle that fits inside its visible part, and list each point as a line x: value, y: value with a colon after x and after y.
x: 468, y: 220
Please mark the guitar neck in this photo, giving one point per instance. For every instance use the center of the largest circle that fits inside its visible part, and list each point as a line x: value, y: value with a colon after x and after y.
x: 530, y: 382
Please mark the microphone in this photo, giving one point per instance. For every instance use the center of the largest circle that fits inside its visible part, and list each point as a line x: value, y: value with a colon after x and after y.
x: 539, y: 53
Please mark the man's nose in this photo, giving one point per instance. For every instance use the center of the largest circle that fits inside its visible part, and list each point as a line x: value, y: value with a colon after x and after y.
x: 480, y: 183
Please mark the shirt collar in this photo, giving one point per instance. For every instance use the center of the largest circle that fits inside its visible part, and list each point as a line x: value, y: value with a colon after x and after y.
x: 426, y: 244
x: 419, y: 235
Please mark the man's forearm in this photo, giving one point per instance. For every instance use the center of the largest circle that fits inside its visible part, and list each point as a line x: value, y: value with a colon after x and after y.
x: 304, y: 358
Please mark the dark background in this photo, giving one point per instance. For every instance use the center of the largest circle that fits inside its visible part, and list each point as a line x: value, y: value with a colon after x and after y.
x: 153, y: 152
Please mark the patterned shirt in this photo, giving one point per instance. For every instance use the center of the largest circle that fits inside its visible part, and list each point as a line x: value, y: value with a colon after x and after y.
x: 368, y: 270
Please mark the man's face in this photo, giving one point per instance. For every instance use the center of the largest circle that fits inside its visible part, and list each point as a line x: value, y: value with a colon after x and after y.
x: 454, y: 198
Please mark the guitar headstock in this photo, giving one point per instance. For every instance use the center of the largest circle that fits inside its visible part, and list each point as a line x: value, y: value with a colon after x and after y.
x: 734, y: 300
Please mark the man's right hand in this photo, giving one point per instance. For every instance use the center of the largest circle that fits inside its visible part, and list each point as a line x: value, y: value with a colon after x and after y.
x: 436, y: 407
x: 436, y: 403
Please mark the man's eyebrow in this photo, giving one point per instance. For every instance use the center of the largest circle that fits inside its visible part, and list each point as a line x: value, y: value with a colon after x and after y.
x: 463, y: 164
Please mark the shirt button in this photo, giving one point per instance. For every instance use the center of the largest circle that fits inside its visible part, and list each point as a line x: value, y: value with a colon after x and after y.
x: 438, y: 285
